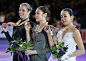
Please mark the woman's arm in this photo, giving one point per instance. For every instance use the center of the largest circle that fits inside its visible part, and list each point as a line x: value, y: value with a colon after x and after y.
x: 78, y: 40
x: 48, y: 31
x: 6, y: 32
x: 40, y: 46
x: 42, y: 51
x: 27, y: 28
x: 28, y: 35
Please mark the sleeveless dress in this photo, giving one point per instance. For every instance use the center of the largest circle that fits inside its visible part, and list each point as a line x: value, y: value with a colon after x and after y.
x: 68, y: 40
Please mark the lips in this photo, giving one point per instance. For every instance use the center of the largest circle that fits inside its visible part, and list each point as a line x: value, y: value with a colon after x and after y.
x: 20, y: 14
x: 36, y: 18
x: 64, y: 21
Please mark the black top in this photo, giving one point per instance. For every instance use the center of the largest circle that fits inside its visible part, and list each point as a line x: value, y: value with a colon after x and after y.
x: 18, y: 31
x: 40, y: 42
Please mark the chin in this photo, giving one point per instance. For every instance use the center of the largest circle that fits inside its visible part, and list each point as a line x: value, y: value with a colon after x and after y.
x: 21, y: 17
x: 37, y: 20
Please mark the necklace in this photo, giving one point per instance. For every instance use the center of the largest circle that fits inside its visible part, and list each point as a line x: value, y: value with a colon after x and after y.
x: 39, y: 28
x: 24, y: 21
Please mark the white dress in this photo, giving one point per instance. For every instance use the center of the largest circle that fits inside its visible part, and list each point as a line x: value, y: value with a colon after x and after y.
x: 68, y: 40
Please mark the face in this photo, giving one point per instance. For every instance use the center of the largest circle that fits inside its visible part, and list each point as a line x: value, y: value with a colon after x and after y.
x: 39, y: 15
x: 66, y: 19
x: 23, y: 12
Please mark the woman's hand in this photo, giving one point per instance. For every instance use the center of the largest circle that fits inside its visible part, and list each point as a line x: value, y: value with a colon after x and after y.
x: 47, y: 29
x: 17, y: 51
x: 4, y: 27
x: 59, y: 58
x: 30, y: 52
x: 27, y: 26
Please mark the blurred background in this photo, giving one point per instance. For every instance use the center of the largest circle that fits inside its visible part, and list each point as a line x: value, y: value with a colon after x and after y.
x: 9, y: 13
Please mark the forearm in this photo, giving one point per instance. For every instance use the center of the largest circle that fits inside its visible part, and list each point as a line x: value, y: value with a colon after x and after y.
x: 42, y: 51
x: 28, y: 35
x: 77, y: 53
x: 50, y: 40
x: 8, y: 36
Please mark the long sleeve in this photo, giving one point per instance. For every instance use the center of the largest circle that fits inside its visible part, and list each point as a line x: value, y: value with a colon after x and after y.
x: 8, y: 36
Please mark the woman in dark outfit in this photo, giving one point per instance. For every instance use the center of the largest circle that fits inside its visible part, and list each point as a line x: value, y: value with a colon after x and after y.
x: 39, y: 36
x: 24, y: 11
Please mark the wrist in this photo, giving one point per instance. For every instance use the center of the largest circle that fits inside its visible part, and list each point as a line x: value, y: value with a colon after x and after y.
x: 35, y: 52
x: 59, y: 60
x: 27, y: 30
x: 69, y: 55
x: 5, y: 30
x: 49, y: 33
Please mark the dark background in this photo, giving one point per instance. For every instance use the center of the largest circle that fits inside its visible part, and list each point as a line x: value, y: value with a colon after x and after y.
x: 9, y: 9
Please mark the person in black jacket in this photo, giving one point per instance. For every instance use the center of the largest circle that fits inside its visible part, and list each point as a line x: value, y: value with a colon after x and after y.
x: 19, y: 29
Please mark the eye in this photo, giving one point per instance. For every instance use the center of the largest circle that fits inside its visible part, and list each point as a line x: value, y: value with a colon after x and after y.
x: 19, y: 9
x: 37, y: 13
x: 65, y: 16
x: 23, y: 10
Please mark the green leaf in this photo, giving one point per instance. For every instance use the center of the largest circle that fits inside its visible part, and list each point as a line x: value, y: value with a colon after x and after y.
x: 54, y: 56
x: 11, y: 53
x: 57, y: 51
x: 13, y: 49
x: 22, y: 48
x: 57, y: 46
x: 59, y: 43
x: 24, y: 43
x: 54, y: 48
x: 6, y: 51
x: 29, y: 48
x: 62, y: 43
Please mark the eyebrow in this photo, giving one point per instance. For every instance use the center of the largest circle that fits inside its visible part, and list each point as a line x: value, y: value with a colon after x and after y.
x: 36, y: 11
x: 64, y: 14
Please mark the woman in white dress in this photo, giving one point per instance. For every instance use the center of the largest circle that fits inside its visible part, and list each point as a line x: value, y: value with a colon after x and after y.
x: 70, y: 36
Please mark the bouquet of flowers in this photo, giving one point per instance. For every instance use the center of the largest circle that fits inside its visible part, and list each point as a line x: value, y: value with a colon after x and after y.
x: 18, y: 44
x: 58, y: 50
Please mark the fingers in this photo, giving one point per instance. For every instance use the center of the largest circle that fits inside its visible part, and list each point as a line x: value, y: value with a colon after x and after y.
x: 26, y: 52
x: 17, y: 51
x: 27, y: 26
x: 4, y: 25
x: 47, y: 29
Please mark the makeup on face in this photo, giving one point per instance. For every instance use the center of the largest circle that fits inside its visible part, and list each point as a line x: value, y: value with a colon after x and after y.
x: 23, y: 13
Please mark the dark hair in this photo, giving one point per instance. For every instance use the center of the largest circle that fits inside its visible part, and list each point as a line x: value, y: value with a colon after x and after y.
x: 29, y: 8
x: 70, y: 11
x: 44, y: 10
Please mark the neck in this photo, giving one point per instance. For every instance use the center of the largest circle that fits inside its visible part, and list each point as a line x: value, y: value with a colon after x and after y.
x: 24, y: 18
x: 42, y: 22
x: 68, y: 26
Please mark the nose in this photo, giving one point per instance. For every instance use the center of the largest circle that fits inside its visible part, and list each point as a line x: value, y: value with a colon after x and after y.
x: 62, y: 19
x: 35, y: 15
x: 20, y: 12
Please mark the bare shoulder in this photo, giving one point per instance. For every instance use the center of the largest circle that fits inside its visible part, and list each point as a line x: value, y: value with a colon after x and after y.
x: 76, y: 32
x: 73, y: 29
